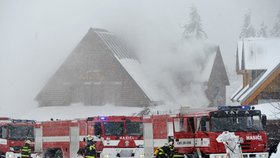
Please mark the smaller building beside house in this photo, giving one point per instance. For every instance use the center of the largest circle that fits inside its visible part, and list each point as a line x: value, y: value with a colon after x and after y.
x: 258, y: 60
x: 217, y: 82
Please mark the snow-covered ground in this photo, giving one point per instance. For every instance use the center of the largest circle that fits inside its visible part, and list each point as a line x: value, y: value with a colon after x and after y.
x: 77, y: 111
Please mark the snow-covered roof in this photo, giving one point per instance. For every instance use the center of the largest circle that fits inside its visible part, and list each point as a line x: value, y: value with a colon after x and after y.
x: 239, y: 93
x: 203, y: 57
x: 129, y: 61
x: 257, y: 54
x: 239, y: 54
x: 116, y: 45
x: 255, y: 86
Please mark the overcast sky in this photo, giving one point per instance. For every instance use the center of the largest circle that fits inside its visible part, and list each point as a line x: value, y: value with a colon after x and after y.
x: 36, y: 36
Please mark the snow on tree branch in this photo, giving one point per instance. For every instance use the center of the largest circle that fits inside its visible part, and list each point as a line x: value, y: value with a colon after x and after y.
x: 277, y: 108
x: 247, y: 28
x: 193, y: 30
x: 275, y: 31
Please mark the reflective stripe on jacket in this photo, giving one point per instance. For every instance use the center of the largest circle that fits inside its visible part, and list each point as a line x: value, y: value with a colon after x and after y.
x: 90, y: 151
x: 26, y: 151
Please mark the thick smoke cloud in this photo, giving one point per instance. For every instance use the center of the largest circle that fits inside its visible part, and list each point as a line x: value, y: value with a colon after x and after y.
x: 37, y: 36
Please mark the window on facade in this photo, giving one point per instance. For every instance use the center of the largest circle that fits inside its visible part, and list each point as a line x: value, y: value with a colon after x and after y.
x: 271, y: 93
x: 256, y: 74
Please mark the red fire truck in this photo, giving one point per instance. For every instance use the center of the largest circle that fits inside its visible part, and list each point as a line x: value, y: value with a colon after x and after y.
x: 115, y: 136
x: 195, y: 133
x: 13, y: 134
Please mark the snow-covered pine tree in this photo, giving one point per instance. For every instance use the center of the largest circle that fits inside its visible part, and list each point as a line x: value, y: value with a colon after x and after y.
x: 263, y: 31
x: 275, y: 31
x: 247, y: 29
x: 193, y: 30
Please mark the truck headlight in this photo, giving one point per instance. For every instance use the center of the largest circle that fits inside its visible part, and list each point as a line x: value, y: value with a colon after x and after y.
x: 142, y: 156
x: 9, y: 155
x: 263, y: 156
x: 38, y: 156
x: 106, y: 156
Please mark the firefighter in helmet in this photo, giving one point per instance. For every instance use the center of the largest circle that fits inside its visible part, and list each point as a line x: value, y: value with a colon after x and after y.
x: 171, y: 147
x: 26, y: 150
x: 90, y: 149
x: 166, y: 151
x: 162, y: 152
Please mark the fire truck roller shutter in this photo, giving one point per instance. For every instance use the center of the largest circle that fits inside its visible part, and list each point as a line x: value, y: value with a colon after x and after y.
x: 74, y: 141
x: 148, y: 139
x: 38, y: 139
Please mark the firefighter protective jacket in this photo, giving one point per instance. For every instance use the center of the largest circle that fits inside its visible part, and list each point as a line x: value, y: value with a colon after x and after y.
x: 26, y: 151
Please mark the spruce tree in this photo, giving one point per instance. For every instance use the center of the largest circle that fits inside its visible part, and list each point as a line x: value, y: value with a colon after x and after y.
x: 247, y: 29
x: 275, y: 32
x: 263, y: 31
x: 193, y: 30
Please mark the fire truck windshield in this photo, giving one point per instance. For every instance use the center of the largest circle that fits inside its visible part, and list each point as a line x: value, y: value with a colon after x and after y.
x: 118, y: 128
x: 134, y: 128
x: 234, y: 123
x: 21, y: 132
x: 114, y: 128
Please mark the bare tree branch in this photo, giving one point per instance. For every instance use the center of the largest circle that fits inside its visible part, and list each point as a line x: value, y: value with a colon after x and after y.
x: 276, y: 105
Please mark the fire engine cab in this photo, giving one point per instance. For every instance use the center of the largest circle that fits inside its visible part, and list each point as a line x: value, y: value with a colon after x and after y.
x: 195, y: 133
x: 13, y: 134
x: 114, y: 136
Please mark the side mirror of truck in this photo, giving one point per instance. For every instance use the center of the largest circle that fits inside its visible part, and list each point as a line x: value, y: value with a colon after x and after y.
x: 264, y: 118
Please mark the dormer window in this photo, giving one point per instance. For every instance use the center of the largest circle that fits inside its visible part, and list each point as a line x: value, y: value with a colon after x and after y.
x: 256, y: 74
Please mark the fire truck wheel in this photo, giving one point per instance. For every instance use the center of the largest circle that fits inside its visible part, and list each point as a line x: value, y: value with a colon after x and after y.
x: 58, y: 154
x: 195, y: 155
x: 47, y: 154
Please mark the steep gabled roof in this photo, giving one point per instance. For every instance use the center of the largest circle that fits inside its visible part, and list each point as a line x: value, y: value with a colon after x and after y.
x: 101, y: 58
x: 117, y: 47
x: 218, y: 72
x: 210, y: 61
x: 102, y: 66
x: 257, y: 54
x: 129, y: 61
x: 261, y: 84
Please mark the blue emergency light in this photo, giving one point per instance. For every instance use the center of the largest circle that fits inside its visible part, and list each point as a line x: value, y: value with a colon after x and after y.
x: 243, y: 107
x: 246, y: 107
x: 102, y: 118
